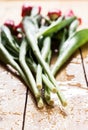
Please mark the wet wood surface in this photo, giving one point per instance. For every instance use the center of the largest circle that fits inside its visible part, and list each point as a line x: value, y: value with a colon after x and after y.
x: 17, y: 108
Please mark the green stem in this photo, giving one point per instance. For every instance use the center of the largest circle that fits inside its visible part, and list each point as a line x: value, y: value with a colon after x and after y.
x: 8, y: 59
x: 39, y: 77
x: 49, y: 84
x: 33, y: 44
x: 47, y: 92
x: 32, y: 65
x: 61, y: 47
x: 40, y: 103
x: 46, y: 47
x: 26, y: 69
x: 5, y: 32
x: 44, y: 52
x: 48, y: 60
x: 73, y: 27
x: 47, y: 96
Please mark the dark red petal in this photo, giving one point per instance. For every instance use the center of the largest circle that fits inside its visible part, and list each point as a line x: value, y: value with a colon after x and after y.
x: 80, y: 21
x: 18, y: 26
x: 26, y: 9
x: 39, y: 7
x: 9, y: 23
x: 54, y: 12
x: 70, y: 13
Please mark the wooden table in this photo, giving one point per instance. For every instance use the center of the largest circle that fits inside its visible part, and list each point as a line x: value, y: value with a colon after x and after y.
x: 17, y: 108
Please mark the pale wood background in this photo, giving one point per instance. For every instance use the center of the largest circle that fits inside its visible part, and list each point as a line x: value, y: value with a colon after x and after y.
x: 14, y: 95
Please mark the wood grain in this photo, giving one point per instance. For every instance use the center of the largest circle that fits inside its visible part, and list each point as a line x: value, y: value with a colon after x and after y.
x: 12, y: 100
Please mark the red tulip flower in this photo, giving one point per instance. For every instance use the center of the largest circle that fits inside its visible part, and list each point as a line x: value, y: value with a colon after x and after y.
x: 54, y: 14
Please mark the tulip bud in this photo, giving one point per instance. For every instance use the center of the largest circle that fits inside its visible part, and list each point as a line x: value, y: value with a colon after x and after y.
x: 9, y: 23
x: 80, y: 21
x: 26, y: 10
x: 54, y: 14
x: 70, y: 13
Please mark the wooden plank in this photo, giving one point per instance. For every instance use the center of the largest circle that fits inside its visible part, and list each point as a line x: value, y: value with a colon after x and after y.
x: 12, y: 89
x: 12, y: 100
x: 72, y: 72
x: 77, y: 114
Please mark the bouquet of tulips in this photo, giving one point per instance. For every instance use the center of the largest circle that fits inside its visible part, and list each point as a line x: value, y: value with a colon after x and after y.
x: 28, y: 48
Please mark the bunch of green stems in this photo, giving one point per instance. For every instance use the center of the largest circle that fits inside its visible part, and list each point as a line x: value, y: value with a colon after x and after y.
x: 32, y: 55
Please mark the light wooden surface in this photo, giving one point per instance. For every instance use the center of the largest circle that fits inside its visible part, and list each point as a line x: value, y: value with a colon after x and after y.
x: 13, y: 93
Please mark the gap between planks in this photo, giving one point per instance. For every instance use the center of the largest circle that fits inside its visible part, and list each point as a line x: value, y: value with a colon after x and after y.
x: 83, y: 66
x: 25, y: 106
